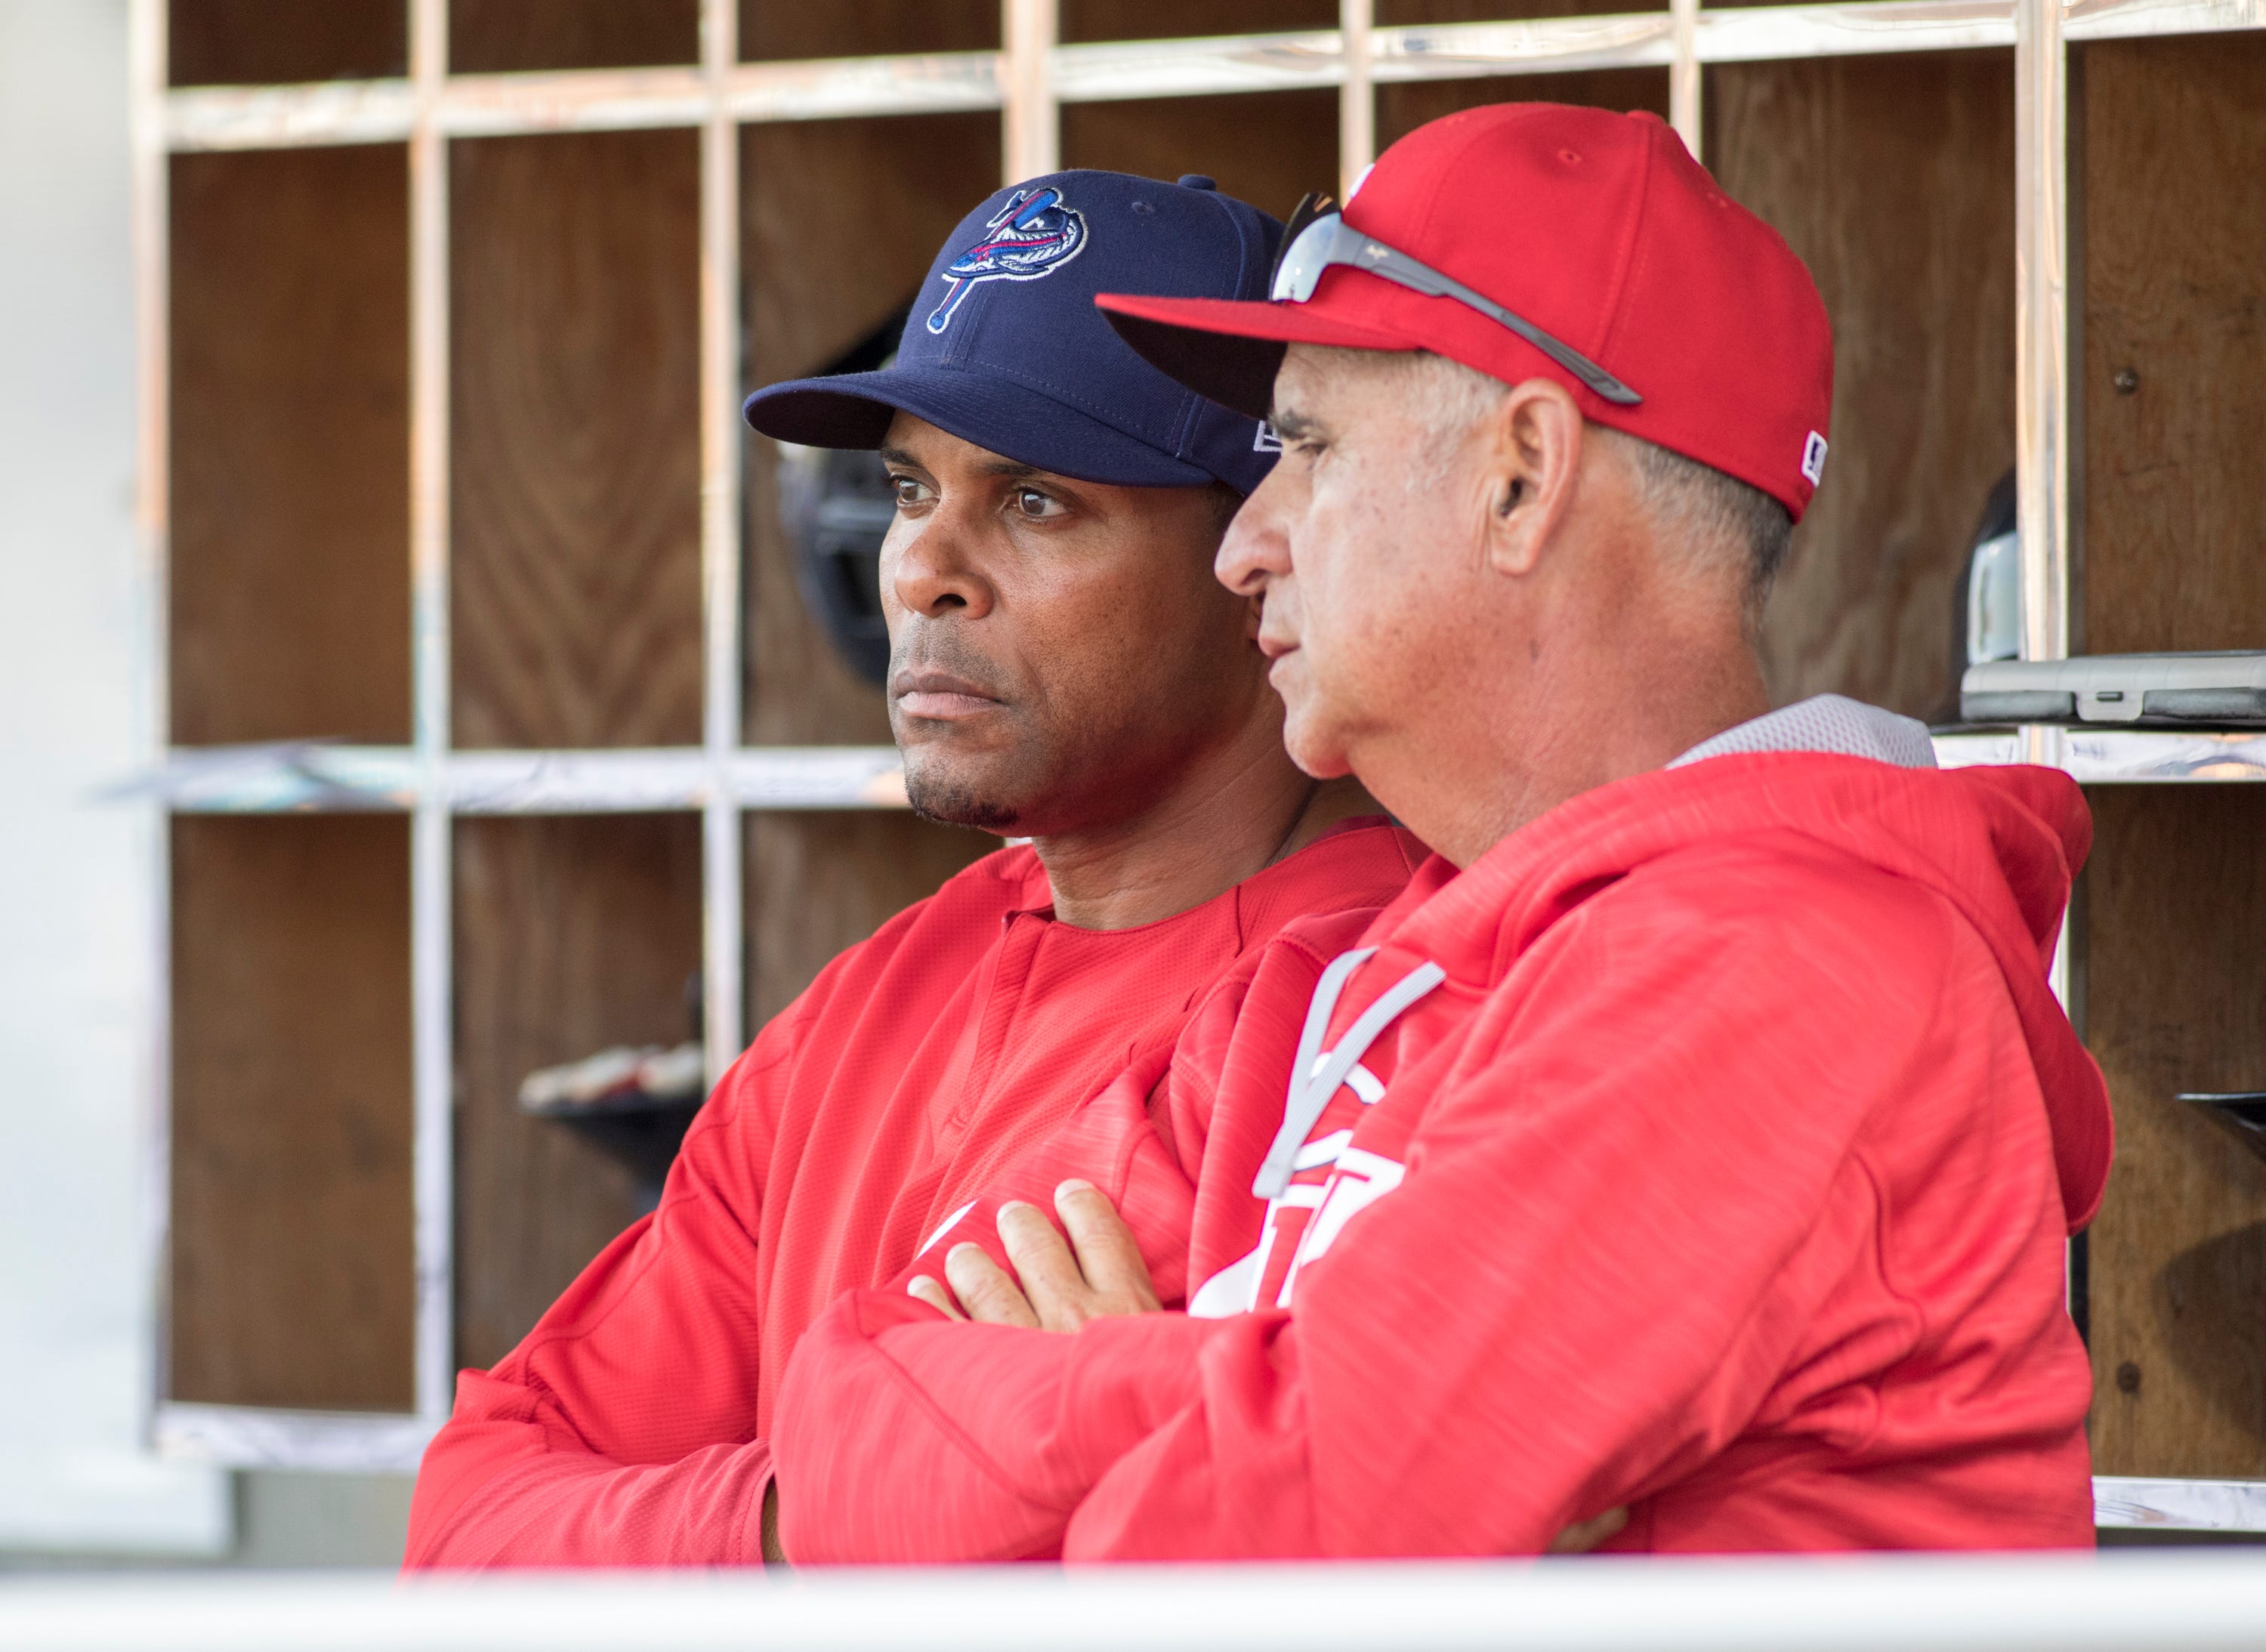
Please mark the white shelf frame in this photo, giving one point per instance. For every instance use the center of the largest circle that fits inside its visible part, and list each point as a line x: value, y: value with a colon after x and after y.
x: 1025, y: 84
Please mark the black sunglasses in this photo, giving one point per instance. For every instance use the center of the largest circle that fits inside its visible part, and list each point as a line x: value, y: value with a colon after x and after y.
x: 1317, y: 237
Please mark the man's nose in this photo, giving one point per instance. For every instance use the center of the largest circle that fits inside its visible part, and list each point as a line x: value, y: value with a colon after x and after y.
x: 927, y: 567
x: 1255, y: 548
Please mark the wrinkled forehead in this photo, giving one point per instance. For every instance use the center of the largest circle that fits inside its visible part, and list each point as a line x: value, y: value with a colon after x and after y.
x: 1329, y: 383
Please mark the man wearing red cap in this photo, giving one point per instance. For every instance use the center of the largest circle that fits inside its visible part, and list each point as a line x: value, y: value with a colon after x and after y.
x: 1698, y: 1133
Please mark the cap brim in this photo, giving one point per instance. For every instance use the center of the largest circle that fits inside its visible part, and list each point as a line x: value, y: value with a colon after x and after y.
x: 853, y: 409
x: 1227, y: 349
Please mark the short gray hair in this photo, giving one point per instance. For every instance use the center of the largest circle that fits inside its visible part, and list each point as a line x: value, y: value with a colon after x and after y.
x: 1699, y: 503
x: 1704, y: 505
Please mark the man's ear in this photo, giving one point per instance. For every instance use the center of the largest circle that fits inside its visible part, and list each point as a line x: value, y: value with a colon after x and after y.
x: 1534, y: 458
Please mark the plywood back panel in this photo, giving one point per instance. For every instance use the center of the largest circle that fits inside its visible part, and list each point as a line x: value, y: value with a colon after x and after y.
x: 575, y: 439
x: 246, y: 42
x: 497, y: 36
x: 1402, y: 108
x: 865, y: 28
x: 1894, y: 179
x: 291, y: 1273
x: 289, y: 587
x: 1180, y: 19
x: 2174, y: 241
x: 1268, y: 148
x: 2177, y: 1268
x: 572, y: 935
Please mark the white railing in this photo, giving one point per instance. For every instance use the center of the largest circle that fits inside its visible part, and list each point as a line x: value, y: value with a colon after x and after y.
x: 2166, y: 1602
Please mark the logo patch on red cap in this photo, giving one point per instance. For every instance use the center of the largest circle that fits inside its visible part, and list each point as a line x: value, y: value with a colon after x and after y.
x: 1812, y: 458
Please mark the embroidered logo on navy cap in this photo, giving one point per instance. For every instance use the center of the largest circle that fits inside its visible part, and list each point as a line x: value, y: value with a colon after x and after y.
x: 1034, y: 235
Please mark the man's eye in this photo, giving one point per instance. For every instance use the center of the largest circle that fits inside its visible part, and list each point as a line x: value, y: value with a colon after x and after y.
x: 1037, y: 507
x: 909, y: 492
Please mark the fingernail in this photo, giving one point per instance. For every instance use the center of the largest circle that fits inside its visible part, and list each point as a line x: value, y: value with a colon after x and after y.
x: 1013, y: 1204
x: 962, y: 1249
x: 1062, y: 1190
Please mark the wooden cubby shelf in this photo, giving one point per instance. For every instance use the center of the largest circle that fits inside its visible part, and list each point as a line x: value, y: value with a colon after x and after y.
x: 2169, y: 158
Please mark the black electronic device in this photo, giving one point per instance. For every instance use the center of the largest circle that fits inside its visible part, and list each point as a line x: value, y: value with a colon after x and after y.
x: 642, y: 1128
x: 633, y: 1103
x: 2241, y: 1114
x: 1986, y: 598
x: 835, y: 505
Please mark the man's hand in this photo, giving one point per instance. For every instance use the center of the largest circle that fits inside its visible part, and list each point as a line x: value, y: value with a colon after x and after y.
x: 1059, y: 1291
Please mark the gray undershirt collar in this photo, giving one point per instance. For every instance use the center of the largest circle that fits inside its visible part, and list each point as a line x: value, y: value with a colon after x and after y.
x: 1828, y: 723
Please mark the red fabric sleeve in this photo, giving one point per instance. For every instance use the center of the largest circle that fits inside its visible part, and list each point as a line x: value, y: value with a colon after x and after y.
x: 1617, y: 1216
x: 592, y: 1442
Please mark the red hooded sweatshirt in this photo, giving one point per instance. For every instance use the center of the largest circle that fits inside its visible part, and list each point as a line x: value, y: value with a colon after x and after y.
x: 1708, y: 1147
x: 628, y: 1429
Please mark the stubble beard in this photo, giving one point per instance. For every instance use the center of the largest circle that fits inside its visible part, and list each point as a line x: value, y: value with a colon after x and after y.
x: 938, y: 786
x: 949, y: 803
x: 954, y: 792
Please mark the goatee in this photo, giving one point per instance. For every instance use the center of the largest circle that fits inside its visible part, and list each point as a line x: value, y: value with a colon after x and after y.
x: 950, y: 805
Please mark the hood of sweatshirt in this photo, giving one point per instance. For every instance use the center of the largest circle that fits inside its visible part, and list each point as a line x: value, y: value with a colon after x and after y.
x: 1999, y: 844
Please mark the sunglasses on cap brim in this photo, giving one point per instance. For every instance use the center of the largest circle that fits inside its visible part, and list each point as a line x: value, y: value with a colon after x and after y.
x: 1317, y: 237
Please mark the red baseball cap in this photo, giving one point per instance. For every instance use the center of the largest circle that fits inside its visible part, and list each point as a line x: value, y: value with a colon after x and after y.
x: 1599, y: 230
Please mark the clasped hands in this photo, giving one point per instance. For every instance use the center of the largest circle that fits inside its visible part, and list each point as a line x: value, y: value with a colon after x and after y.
x: 1057, y: 1284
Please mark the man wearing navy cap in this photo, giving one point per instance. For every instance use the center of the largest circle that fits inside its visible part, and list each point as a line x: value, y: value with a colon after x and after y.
x: 1064, y: 669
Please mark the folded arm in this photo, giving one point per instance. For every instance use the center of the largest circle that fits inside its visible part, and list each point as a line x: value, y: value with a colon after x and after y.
x: 621, y: 1431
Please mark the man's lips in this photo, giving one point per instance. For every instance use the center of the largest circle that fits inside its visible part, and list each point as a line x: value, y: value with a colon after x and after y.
x: 939, y: 695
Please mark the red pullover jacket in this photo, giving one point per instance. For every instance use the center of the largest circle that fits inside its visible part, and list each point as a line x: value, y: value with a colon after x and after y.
x: 628, y: 1428
x: 1707, y: 1147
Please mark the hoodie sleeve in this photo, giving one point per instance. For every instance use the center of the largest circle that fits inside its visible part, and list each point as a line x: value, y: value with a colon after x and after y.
x: 1613, y: 1223
x: 592, y: 1442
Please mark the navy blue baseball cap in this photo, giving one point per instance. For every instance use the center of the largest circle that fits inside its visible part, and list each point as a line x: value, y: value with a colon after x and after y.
x: 1004, y: 347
